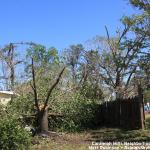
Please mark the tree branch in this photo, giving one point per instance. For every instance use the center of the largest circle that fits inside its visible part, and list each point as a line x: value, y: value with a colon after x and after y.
x: 129, y: 78
x: 34, y: 86
x: 52, y: 87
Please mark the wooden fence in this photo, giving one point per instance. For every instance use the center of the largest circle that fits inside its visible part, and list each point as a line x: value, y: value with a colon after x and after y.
x: 124, y: 113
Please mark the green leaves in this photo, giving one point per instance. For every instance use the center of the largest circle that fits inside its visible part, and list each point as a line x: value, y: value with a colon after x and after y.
x: 12, y: 135
x: 147, y: 95
x: 127, y: 21
x: 141, y: 4
x: 41, y: 55
x: 78, y: 111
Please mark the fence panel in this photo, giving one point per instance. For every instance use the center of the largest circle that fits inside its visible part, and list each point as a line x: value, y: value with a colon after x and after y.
x: 124, y: 113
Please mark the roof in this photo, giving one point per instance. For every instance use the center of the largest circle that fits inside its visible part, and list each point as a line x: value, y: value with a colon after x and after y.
x: 8, y: 92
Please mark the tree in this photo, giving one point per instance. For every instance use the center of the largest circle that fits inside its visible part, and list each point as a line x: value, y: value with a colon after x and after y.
x: 91, y: 81
x: 73, y: 58
x: 8, y: 56
x: 141, y: 4
x: 42, y: 59
x: 144, y: 72
x: 118, y: 58
x: 141, y: 27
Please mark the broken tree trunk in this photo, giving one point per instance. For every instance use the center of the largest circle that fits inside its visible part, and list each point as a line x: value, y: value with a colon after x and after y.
x: 43, y: 120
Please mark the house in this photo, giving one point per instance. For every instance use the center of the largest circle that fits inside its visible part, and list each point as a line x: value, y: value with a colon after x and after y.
x: 5, y: 97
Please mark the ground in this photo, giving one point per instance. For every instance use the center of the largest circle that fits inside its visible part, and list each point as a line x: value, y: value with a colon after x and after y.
x: 82, y: 141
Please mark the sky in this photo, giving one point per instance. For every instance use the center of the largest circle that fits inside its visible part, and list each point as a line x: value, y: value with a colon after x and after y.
x: 59, y: 23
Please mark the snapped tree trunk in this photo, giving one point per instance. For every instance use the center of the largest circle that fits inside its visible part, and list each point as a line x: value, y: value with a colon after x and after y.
x: 42, y: 111
x: 43, y: 120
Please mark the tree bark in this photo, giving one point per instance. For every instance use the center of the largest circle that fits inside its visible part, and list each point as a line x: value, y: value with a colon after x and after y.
x: 141, y: 107
x: 43, y: 120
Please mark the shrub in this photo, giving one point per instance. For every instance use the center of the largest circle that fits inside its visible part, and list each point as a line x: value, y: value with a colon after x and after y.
x: 22, y: 104
x: 147, y: 95
x: 79, y: 114
x: 147, y: 123
x: 12, y: 135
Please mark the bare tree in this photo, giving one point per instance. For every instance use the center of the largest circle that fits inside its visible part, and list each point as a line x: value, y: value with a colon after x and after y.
x: 9, y: 63
x: 120, y: 62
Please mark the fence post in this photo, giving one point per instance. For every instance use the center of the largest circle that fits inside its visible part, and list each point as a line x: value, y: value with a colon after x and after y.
x: 141, y: 107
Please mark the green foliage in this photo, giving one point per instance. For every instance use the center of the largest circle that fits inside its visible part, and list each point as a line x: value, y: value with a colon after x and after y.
x: 142, y: 5
x: 41, y: 55
x: 147, y: 121
x: 46, y: 66
x: 92, y: 91
x: 147, y: 95
x: 2, y: 111
x: 22, y: 104
x: 127, y: 21
x: 12, y: 135
x: 79, y: 113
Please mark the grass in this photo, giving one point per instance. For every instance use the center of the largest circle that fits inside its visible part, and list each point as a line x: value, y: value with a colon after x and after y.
x: 110, y: 135
x: 62, y: 142
x: 147, y: 121
x: 81, y: 141
x: 147, y: 116
x: 56, y: 146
